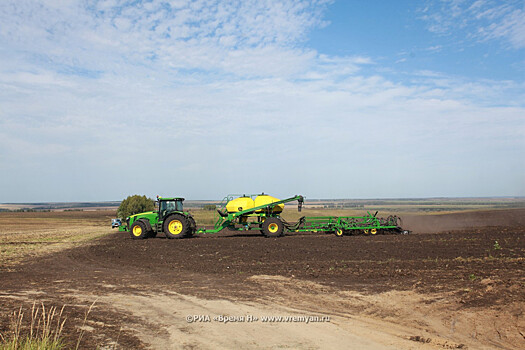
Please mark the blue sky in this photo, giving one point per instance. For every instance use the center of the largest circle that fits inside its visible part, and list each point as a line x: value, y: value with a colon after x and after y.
x: 329, y: 99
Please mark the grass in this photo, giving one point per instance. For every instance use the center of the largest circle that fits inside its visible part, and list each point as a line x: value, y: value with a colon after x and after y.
x: 44, y: 330
x: 84, y: 324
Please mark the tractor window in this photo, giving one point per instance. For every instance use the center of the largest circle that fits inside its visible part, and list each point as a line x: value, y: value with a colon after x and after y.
x: 171, y: 206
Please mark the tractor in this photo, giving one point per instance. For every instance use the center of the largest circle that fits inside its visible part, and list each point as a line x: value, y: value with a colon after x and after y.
x: 169, y: 218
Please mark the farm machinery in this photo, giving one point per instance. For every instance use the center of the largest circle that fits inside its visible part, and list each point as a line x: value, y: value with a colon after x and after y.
x: 245, y: 213
x: 169, y: 218
x: 252, y: 212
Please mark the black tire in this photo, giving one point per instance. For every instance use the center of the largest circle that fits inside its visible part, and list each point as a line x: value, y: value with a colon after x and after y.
x: 149, y: 230
x: 152, y: 233
x: 176, y: 226
x: 193, y: 226
x: 138, y: 230
x: 273, y: 227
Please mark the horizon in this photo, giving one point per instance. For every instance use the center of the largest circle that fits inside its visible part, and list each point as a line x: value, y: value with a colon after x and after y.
x: 306, y: 198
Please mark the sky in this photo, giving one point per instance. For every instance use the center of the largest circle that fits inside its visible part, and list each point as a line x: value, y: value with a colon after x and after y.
x: 329, y: 99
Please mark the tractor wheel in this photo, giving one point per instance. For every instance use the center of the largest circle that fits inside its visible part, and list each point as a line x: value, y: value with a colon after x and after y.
x: 339, y: 232
x: 138, y: 230
x: 149, y: 230
x: 176, y: 226
x: 273, y: 227
x: 193, y: 226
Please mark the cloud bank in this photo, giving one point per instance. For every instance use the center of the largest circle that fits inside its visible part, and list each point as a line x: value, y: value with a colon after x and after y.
x: 101, y: 99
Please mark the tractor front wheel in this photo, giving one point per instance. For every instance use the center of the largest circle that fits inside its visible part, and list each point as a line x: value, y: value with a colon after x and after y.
x: 138, y: 230
x: 176, y: 226
x: 273, y: 227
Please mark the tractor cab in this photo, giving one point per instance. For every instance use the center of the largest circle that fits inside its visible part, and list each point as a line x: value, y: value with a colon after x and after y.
x: 169, y: 205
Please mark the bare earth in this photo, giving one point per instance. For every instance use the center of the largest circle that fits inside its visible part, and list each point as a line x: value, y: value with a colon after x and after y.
x: 448, y: 285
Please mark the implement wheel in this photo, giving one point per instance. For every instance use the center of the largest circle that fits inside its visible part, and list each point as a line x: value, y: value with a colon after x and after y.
x: 138, y: 230
x: 339, y: 232
x: 273, y: 227
x: 176, y: 226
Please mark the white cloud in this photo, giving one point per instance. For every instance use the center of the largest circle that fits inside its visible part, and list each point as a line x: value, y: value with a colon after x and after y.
x: 193, y: 34
x: 512, y: 27
x: 482, y: 19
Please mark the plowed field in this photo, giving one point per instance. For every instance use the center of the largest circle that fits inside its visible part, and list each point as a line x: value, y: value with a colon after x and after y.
x: 461, y: 286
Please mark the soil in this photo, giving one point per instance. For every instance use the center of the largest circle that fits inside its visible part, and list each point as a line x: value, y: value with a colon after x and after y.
x: 395, y: 291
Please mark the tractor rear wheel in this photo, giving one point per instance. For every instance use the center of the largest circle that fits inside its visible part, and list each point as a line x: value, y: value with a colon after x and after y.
x: 273, y: 227
x: 193, y: 226
x: 138, y: 230
x: 176, y: 226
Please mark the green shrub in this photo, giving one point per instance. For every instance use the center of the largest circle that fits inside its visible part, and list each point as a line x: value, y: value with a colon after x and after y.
x: 135, y: 204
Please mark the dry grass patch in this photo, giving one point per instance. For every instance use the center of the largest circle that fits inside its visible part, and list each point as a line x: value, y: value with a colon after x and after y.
x: 42, y: 329
x: 31, y: 234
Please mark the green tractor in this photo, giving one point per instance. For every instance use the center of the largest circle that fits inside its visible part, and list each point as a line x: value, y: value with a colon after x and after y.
x: 169, y: 218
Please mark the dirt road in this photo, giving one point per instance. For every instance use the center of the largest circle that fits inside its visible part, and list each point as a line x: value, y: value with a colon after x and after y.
x: 452, y: 289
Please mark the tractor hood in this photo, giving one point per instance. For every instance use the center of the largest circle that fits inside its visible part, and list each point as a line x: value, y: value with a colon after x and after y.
x: 144, y: 213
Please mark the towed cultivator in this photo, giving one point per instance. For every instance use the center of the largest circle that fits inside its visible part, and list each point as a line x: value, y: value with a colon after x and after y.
x: 341, y: 225
x: 263, y: 213
x: 252, y: 212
